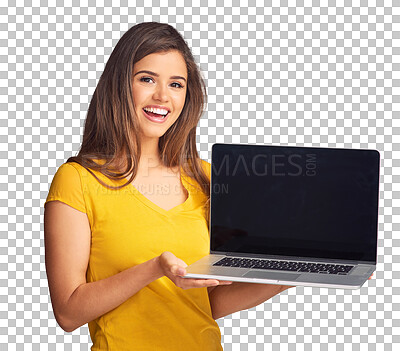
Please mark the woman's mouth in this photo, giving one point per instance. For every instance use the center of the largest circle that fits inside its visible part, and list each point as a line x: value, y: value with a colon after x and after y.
x: 155, y: 117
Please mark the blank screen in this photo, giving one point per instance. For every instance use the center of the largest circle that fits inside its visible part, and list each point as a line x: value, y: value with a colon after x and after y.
x: 295, y: 201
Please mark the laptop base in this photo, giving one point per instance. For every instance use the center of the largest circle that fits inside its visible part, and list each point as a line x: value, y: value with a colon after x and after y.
x: 204, y: 269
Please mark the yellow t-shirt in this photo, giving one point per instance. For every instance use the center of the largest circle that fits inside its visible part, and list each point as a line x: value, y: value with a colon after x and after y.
x: 128, y: 229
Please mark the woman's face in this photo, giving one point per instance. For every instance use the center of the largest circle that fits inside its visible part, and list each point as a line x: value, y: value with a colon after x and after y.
x: 164, y: 85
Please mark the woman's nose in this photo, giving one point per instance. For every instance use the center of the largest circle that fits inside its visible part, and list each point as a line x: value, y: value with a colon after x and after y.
x: 161, y: 93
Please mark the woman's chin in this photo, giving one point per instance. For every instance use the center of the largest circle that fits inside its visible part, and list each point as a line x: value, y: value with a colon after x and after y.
x: 152, y: 134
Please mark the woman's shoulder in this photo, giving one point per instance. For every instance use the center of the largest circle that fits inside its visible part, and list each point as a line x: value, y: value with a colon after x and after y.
x: 86, y: 175
x: 71, y: 173
x: 82, y: 169
x: 73, y: 168
x: 67, y: 170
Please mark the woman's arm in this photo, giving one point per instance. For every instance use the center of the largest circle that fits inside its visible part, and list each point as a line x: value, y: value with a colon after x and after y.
x: 67, y: 248
x: 225, y: 300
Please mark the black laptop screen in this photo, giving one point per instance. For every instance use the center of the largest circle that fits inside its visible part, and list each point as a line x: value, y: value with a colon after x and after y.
x: 294, y: 201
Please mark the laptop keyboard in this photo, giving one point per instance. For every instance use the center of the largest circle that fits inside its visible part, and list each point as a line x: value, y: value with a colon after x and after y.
x: 292, y: 266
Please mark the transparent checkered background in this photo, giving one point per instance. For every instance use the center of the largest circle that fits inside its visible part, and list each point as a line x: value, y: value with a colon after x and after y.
x: 312, y: 73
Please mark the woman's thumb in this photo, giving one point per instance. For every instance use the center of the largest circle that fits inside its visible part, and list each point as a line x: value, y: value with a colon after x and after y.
x: 179, y: 270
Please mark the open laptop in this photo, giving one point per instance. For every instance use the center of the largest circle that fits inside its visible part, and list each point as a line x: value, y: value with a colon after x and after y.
x: 287, y: 215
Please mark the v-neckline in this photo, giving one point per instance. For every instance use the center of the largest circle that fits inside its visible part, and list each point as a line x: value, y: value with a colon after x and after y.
x: 159, y: 209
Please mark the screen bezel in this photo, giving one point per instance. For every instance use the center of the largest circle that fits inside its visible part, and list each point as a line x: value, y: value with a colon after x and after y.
x: 216, y: 148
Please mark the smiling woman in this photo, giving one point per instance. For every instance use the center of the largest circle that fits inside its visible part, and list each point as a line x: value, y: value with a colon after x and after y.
x: 163, y: 89
x: 132, y: 207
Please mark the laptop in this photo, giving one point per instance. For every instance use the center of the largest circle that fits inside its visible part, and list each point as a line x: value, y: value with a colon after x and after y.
x: 288, y: 215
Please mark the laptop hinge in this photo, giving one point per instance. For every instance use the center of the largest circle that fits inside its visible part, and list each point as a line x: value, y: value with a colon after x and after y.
x: 294, y: 258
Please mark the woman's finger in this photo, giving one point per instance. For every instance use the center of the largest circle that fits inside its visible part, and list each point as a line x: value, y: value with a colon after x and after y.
x: 199, y: 283
x: 195, y: 283
x: 181, y: 271
x: 177, y: 270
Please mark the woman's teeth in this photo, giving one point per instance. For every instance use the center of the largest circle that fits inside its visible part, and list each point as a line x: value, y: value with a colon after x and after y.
x: 151, y: 112
x: 156, y: 111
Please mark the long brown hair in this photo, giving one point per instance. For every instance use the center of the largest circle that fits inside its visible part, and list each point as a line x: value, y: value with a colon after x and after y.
x: 112, y: 131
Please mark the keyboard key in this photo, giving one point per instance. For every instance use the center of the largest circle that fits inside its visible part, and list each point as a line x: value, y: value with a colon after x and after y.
x: 291, y: 266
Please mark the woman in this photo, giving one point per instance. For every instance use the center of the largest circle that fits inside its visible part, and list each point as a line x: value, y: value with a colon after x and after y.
x: 126, y: 215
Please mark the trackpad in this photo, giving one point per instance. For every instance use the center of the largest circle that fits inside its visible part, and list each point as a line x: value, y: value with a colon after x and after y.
x: 271, y: 275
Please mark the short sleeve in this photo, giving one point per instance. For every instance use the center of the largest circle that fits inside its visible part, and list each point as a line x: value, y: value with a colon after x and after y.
x: 67, y: 187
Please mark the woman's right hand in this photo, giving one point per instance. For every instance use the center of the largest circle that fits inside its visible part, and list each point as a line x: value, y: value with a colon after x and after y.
x: 174, y: 268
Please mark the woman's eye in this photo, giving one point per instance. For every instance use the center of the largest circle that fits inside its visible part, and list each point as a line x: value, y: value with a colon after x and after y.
x: 144, y: 79
x: 179, y: 86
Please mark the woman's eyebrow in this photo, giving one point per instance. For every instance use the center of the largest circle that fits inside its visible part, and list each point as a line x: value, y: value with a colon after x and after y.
x: 157, y: 75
